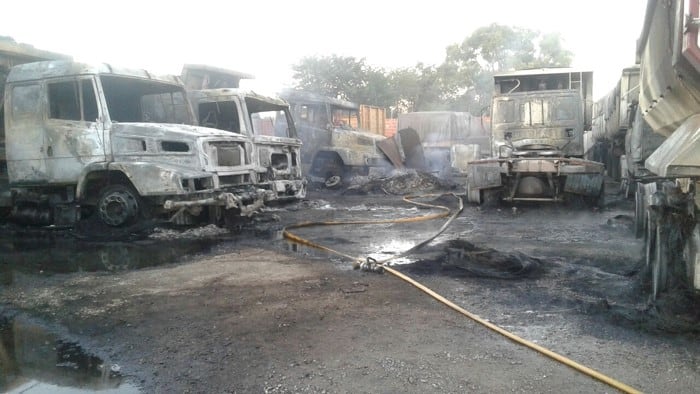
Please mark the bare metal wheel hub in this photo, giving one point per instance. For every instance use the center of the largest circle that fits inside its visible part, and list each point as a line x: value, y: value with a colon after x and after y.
x: 117, y: 206
x: 333, y: 181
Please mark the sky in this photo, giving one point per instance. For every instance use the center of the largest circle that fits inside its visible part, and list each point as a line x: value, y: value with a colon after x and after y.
x: 266, y: 38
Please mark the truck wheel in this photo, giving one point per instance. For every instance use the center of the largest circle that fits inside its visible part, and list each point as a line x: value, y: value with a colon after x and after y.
x: 473, y: 195
x: 638, y: 214
x: 333, y: 181
x: 691, y: 255
x: 659, y: 268
x: 118, y: 205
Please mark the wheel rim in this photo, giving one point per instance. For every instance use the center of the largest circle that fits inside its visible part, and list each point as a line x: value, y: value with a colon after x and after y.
x: 333, y: 181
x: 118, y: 207
x: 649, y: 239
x: 660, y: 262
x: 473, y: 195
x: 638, y: 214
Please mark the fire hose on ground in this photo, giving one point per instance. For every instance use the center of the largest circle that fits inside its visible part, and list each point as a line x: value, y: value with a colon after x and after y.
x: 370, y: 264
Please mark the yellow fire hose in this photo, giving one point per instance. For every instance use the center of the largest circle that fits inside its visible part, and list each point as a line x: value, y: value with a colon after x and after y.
x: 381, y: 266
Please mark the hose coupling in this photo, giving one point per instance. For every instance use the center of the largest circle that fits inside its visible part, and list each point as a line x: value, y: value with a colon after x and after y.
x: 369, y: 265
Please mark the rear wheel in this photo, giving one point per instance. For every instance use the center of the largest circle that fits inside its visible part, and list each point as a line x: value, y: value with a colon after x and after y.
x: 333, y: 181
x: 473, y: 194
x: 597, y: 201
x: 639, y: 220
x: 330, y: 167
x: 118, y: 205
x: 659, y: 268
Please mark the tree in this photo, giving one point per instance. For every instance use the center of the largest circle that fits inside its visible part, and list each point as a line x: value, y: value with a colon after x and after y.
x: 497, y: 48
x: 343, y: 77
x: 552, y: 53
x: 463, y: 82
x: 417, y: 88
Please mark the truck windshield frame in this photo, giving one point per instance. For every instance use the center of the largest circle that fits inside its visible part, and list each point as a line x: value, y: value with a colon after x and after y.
x: 131, y: 100
x: 270, y: 119
x: 535, y: 111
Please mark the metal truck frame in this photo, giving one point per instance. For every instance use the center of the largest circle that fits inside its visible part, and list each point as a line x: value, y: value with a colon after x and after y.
x: 333, y: 147
x: 267, y: 121
x: 120, y: 145
x: 449, y: 139
x: 667, y: 204
x: 613, y: 115
x: 538, y: 118
x: 270, y: 125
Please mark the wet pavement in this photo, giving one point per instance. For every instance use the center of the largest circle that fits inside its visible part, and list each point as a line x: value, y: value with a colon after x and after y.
x: 577, y: 259
x: 35, y: 360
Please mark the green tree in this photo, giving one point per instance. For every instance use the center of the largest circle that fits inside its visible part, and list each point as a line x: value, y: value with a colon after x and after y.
x: 463, y: 82
x: 493, y: 49
x: 552, y: 52
x: 418, y: 88
x: 343, y: 77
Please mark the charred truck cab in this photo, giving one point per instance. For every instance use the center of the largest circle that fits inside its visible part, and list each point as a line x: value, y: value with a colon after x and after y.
x: 266, y: 120
x: 120, y: 145
x: 538, y: 118
x: 334, y: 148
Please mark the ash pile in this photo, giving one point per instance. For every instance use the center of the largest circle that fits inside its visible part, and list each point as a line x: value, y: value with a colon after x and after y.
x: 400, y: 182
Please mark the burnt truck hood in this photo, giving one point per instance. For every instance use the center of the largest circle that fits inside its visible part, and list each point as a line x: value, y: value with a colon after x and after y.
x: 172, y: 131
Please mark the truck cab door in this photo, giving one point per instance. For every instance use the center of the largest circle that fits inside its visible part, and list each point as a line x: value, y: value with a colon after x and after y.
x: 74, y: 135
x: 24, y: 134
x: 276, y: 145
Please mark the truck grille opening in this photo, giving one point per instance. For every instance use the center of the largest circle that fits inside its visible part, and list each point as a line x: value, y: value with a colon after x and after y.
x: 174, y: 146
x: 203, y: 184
x: 198, y: 184
x: 279, y: 162
x: 226, y: 154
x: 234, y: 180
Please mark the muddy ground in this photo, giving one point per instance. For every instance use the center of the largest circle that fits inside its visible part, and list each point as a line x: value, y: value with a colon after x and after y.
x: 212, y: 310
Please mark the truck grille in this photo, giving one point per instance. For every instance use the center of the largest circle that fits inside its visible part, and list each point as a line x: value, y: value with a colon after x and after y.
x: 234, y: 180
x: 227, y: 154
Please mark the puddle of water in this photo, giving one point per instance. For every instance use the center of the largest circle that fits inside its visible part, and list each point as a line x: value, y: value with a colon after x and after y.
x: 58, y: 254
x: 385, y: 251
x: 34, y: 360
x: 392, y: 248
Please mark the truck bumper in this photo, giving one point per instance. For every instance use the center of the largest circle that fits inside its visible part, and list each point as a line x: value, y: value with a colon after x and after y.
x: 583, y: 177
x: 283, y: 190
x: 248, y: 203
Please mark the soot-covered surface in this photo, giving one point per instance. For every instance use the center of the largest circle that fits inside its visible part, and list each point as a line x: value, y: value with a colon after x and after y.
x: 206, y: 310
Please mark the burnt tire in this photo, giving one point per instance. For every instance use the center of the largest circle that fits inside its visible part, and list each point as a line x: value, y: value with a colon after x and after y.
x: 473, y: 194
x: 329, y: 167
x: 118, y: 205
x: 333, y: 181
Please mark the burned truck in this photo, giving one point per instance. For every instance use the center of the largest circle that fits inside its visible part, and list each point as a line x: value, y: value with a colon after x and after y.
x: 668, y: 206
x: 266, y: 120
x: 12, y: 54
x: 334, y: 147
x: 118, y: 145
x: 612, y: 117
x: 538, y: 119
x: 449, y: 139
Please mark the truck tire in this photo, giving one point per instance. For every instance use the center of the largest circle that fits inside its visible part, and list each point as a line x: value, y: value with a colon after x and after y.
x: 118, y: 205
x: 473, y: 195
x: 599, y: 200
x: 660, y: 262
x: 330, y: 167
x: 639, y: 219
